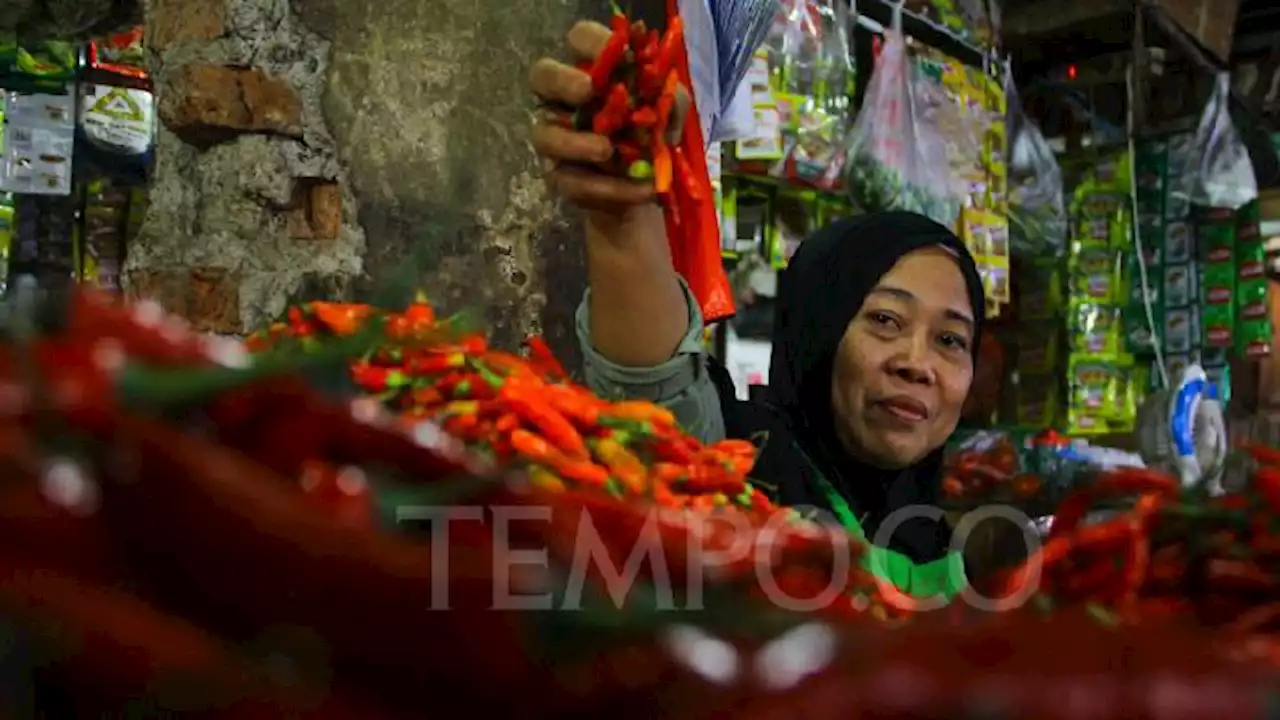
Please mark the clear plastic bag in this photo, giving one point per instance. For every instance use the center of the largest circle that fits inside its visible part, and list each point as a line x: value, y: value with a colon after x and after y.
x: 1038, y: 222
x: 1224, y: 176
x: 893, y: 149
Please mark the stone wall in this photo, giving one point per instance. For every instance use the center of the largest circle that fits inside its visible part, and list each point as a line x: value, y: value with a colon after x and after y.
x: 324, y: 147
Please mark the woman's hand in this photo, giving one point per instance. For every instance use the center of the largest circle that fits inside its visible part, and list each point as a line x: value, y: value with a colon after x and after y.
x: 576, y: 158
x: 638, y: 312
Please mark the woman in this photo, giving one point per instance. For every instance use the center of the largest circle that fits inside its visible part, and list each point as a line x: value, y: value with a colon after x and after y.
x: 874, y: 347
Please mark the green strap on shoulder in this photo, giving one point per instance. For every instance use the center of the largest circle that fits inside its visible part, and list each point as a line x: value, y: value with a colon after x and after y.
x: 944, y: 576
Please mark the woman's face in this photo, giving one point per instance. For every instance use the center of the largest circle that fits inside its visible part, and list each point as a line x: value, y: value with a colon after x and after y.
x: 905, y: 363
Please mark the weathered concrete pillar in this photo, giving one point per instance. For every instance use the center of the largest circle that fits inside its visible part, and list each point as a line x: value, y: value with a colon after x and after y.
x: 324, y: 146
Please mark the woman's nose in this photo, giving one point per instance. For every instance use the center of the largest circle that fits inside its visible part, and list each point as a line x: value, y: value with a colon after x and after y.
x: 911, y: 363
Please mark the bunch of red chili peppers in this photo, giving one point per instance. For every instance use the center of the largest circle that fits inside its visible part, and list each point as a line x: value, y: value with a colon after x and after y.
x: 636, y: 79
x: 528, y: 411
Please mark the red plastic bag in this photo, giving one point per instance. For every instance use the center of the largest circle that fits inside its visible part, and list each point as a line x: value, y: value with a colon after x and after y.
x: 693, y: 228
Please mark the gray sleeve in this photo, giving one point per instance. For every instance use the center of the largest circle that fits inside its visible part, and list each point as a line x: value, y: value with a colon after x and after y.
x: 681, y: 384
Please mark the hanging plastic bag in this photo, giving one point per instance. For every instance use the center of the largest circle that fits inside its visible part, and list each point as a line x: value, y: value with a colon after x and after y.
x: 1224, y: 177
x: 1038, y: 224
x: 893, y: 150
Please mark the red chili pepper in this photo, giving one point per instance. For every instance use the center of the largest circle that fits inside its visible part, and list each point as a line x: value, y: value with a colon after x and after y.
x: 649, y: 47
x: 424, y: 364
x: 374, y: 379
x: 639, y: 35
x: 614, y: 51
x: 644, y: 118
x: 628, y: 151
x: 614, y: 115
x: 544, y: 358
x: 420, y: 312
x: 672, y: 46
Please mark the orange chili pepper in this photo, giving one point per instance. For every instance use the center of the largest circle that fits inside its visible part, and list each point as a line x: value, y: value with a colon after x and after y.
x: 669, y: 472
x: 711, y: 479
x: 341, y: 318
x: 538, y: 450
x: 663, y: 172
x: 641, y: 411
x: 550, y: 423
x: 621, y: 463
x: 507, y: 422
x: 575, y: 404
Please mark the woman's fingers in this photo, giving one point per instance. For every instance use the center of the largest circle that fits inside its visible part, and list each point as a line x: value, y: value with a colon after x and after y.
x: 564, y: 145
x: 586, y: 39
x: 555, y: 82
x: 593, y: 190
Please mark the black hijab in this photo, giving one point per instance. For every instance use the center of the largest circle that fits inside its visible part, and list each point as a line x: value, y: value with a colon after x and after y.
x: 819, y: 293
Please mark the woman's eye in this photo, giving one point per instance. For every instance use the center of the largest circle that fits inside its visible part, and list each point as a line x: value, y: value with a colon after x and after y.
x: 954, y: 341
x: 883, y: 319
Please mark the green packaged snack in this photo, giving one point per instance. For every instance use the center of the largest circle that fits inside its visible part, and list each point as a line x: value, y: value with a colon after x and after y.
x: 1102, y: 219
x: 1094, y: 328
x: 1091, y: 391
x: 1096, y: 274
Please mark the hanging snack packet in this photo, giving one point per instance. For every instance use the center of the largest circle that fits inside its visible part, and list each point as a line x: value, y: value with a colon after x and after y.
x: 1095, y: 274
x: 1091, y: 390
x: 1094, y: 328
x: 121, y: 54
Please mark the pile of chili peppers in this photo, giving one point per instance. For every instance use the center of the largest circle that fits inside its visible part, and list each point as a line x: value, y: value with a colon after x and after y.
x: 158, y: 557
x: 527, y: 411
x: 1163, y: 553
x: 990, y: 474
